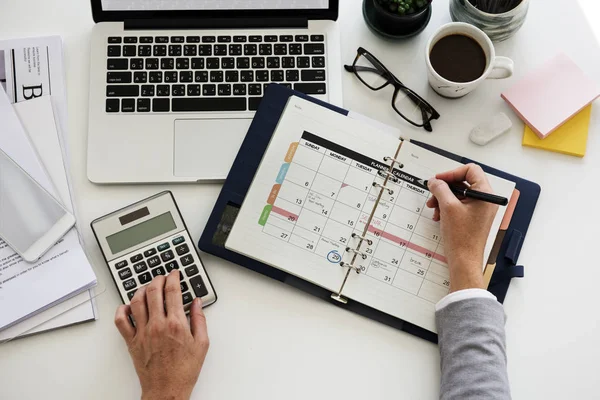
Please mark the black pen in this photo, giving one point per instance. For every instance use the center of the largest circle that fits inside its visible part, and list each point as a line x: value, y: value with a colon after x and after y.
x: 474, y: 194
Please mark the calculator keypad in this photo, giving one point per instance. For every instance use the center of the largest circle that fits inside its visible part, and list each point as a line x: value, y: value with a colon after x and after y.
x: 161, y: 259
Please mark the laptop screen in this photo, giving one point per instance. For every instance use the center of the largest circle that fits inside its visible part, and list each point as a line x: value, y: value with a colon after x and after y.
x: 176, y: 5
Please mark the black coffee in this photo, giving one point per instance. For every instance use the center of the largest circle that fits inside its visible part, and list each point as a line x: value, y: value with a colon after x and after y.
x: 458, y: 58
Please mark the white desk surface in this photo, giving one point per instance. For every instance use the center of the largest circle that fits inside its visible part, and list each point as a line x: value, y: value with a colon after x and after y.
x: 270, y: 341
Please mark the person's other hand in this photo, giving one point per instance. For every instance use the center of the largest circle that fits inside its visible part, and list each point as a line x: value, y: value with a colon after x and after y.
x: 465, y: 224
x: 167, y: 351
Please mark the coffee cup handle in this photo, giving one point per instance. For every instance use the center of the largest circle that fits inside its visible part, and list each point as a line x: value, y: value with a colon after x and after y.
x: 503, y: 68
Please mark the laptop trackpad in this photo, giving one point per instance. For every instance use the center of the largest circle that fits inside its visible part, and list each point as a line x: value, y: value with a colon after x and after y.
x: 206, y: 148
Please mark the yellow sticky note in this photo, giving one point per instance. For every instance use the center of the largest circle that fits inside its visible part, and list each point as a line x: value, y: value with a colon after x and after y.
x: 571, y: 138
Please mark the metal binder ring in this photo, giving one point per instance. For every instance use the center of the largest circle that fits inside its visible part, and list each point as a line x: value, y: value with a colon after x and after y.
x: 369, y: 241
x: 400, y: 165
x: 351, y: 266
x: 363, y: 255
x: 390, y: 191
x: 389, y: 175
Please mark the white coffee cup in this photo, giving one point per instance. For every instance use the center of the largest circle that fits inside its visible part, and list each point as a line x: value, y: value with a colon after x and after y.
x: 496, y: 67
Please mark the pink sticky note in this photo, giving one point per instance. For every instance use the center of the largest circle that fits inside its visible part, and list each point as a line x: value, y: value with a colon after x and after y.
x: 550, y: 95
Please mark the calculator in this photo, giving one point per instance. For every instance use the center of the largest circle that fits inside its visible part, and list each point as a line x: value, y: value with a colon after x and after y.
x: 148, y: 239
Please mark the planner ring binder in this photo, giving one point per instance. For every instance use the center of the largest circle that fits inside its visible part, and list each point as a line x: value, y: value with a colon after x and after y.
x: 356, y: 252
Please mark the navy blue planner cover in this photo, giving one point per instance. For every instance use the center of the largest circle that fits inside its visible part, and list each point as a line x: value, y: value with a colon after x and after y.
x: 246, y: 164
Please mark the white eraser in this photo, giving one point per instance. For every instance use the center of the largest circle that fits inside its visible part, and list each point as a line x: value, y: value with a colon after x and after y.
x: 489, y: 130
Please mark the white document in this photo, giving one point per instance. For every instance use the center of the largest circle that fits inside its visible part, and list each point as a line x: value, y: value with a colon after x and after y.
x: 27, y: 289
x: 315, y: 188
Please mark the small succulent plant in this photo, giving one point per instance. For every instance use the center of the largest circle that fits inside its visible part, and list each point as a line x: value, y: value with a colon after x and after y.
x: 404, y: 7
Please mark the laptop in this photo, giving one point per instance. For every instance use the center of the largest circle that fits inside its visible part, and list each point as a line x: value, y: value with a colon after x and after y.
x: 174, y: 85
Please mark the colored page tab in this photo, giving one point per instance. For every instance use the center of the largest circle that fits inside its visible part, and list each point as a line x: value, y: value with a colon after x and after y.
x: 274, y: 193
x: 282, y: 173
x: 264, y: 216
x: 291, y: 151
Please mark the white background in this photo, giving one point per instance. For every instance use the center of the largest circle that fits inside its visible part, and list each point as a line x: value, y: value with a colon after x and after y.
x: 272, y: 342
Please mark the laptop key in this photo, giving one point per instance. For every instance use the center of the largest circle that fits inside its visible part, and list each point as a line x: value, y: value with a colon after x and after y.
x: 129, y: 51
x: 318, y: 62
x: 239, y: 39
x: 113, y: 39
x: 155, y: 77
x: 224, y: 89
x: 262, y: 76
x: 152, y: 63
x: 117, y: 63
x: 212, y: 63
x: 163, y: 90
x: 209, y: 90
x: 118, y: 77
x: 197, y: 63
x: 144, y: 50
x: 216, y: 76
x: 239, y: 89
x: 174, y: 50
x: 193, y: 90
x: 317, y: 38
x: 136, y: 63
x: 273, y: 62
x: 270, y: 38
x: 224, y: 39
x: 314, y: 49
x: 301, y: 38
x: 313, y: 75
x: 201, y: 76
x: 112, y: 105
x: 177, y: 39
x: 161, y: 105
x: 265, y: 49
x: 209, y: 104
x: 128, y: 105
x: 292, y: 75
x: 192, y: 39
x: 147, y: 91
x: 130, y: 39
x: 255, y: 89
x: 186, y: 76
x: 190, y: 50
x: 254, y: 103
x: 113, y: 51
x: 171, y: 76
x: 208, y: 39
x: 162, y: 39
x: 280, y: 49
x: 286, y: 38
x: 250, y: 49
x: 220, y: 50
x: 159, y: 50
x: 295, y: 49
x: 143, y: 105
x: 277, y: 76
x: 235, y: 49
x: 122, y: 91
x: 205, y: 50
x: 258, y: 62
x: 310, y: 88
x: 227, y: 63
x: 182, y: 63
x: 178, y: 90
x: 288, y: 62
x: 167, y: 63
x: 247, y: 76
x: 140, y: 77
x: 255, y: 39
x: 242, y: 63
x: 303, y: 62
x: 232, y: 76
x: 146, y: 39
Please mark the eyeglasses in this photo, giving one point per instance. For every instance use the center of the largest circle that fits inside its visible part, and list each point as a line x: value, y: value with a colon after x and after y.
x: 409, y: 105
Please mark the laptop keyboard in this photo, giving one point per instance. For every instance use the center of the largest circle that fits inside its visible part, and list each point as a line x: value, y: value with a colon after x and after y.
x: 209, y: 73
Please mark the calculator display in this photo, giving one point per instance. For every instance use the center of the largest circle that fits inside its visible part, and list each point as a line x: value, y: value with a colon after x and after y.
x: 141, y: 232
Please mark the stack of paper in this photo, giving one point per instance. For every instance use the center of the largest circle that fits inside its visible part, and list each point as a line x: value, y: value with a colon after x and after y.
x: 55, y: 291
x: 554, y: 102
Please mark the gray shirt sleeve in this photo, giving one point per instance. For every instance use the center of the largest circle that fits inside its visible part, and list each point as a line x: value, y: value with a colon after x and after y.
x: 473, y: 350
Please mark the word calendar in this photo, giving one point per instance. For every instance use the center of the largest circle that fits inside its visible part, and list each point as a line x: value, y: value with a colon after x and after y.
x: 323, y: 197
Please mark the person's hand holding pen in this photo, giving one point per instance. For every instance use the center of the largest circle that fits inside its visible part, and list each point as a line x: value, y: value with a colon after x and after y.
x: 465, y: 224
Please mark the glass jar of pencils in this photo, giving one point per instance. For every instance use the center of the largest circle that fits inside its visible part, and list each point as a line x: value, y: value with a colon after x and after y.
x: 499, y: 19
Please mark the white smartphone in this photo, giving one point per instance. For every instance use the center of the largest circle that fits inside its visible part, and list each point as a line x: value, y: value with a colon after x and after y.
x: 31, y: 219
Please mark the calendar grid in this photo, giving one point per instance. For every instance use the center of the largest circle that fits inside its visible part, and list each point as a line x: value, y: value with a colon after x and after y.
x: 326, y: 194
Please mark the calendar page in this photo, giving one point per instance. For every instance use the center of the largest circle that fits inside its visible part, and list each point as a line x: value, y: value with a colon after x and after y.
x: 315, y: 188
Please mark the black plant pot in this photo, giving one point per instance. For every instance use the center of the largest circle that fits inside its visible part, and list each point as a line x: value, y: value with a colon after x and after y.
x: 392, y: 25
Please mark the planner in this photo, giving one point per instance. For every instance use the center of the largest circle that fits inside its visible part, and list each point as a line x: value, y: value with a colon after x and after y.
x: 339, y: 204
